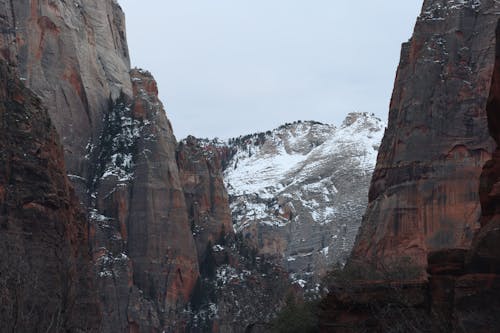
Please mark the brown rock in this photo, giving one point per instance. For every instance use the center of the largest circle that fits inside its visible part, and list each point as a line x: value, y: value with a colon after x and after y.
x: 160, y: 242
x: 74, y: 55
x: 146, y: 251
x: 434, y: 158
x: 423, y: 195
x: 46, y: 273
x: 200, y: 168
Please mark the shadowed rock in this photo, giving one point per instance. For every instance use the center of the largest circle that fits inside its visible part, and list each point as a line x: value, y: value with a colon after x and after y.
x: 46, y: 279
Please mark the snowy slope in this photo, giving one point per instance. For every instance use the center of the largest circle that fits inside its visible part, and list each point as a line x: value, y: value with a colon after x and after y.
x: 299, y: 192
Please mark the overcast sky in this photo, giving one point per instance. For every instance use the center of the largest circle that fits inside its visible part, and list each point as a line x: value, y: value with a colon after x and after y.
x: 231, y: 67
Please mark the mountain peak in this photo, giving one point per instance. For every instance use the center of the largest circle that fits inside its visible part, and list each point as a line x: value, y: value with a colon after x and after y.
x: 300, y: 189
x: 357, y: 118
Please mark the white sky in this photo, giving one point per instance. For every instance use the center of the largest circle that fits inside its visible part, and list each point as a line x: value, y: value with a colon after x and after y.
x: 231, y: 67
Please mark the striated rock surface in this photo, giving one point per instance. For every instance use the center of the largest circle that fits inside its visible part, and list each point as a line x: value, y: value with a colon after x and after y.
x: 46, y: 280
x: 144, y: 246
x: 119, y: 151
x: 74, y: 55
x: 462, y: 287
x: 200, y: 167
x: 424, y: 192
x: 160, y: 240
x: 298, y: 192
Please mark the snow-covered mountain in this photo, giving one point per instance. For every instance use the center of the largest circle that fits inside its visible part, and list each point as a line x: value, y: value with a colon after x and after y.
x: 299, y: 192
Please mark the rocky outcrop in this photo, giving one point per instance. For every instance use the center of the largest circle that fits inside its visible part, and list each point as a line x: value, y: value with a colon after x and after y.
x: 143, y: 241
x: 236, y: 285
x: 424, y: 192
x: 159, y: 237
x: 461, y: 289
x: 480, y: 284
x: 298, y: 192
x: 46, y: 280
x: 200, y: 167
x: 119, y: 151
x: 74, y: 55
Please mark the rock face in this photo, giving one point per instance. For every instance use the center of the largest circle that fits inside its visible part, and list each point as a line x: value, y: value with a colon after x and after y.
x: 119, y: 150
x: 298, y: 193
x: 424, y: 192
x: 46, y: 280
x: 236, y: 285
x: 159, y: 237
x: 462, y: 288
x: 74, y: 55
x: 143, y: 242
x: 120, y: 153
x: 200, y: 167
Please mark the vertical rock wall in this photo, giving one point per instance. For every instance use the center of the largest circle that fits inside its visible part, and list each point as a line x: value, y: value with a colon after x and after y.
x: 74, y: 55
x: 46, y: 279
x: 206, y: 196
x: 119, y: 151
x: 159, y: 237
x: 434, y: 194
x: 424, y: 191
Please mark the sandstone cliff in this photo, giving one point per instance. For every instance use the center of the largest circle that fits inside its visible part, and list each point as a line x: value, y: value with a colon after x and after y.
x: 120, y: 154
x: 46, y: 280
x: 424, y: 192
x: 119, y: 151
x: 201, y: 168
x: 434, y: 195
x: 143, y: 243
x: 74, y: 55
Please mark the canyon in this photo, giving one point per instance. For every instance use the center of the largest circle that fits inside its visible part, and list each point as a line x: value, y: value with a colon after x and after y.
x: 121, y: 228
x: 136, y: 227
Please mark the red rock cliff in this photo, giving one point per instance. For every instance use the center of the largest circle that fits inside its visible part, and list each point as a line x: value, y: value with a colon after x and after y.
x: 450, y: 202
x: 119, y: 150
x: 46, y: 270
x: 160, y: 239
x: 424, y: 191
x: 200, y: 167
x: 74, y: 55
x: 143, y: 242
